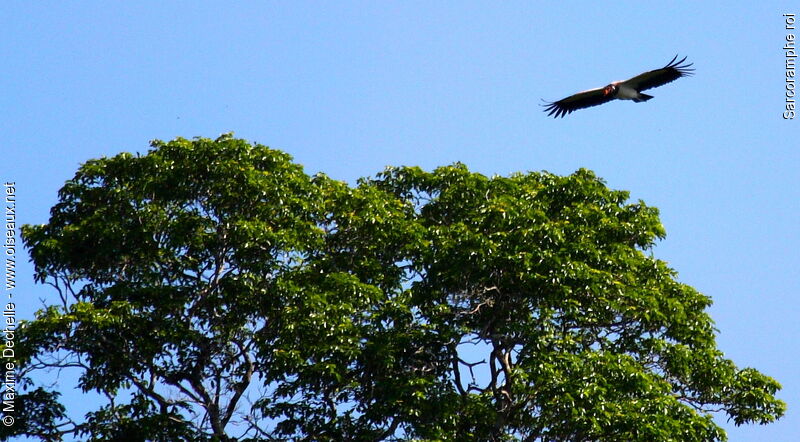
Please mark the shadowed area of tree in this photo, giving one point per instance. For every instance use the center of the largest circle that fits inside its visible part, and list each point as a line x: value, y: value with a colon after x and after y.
x: 211, y: 290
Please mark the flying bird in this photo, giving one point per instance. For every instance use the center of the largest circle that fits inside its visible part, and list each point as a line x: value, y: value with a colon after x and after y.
x: 630, y: 89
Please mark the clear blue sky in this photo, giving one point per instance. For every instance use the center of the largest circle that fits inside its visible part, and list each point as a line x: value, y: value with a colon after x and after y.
x: 350, y: 87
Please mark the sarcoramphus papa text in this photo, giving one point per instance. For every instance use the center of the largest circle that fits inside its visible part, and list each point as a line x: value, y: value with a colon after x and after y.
x: 630, y: 89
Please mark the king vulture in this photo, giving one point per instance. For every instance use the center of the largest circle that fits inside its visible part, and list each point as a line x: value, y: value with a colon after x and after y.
x: 630, y: 89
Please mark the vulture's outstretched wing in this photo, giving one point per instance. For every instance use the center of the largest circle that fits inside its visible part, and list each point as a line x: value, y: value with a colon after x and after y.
x: 659, y: 77
x: 592, y: 97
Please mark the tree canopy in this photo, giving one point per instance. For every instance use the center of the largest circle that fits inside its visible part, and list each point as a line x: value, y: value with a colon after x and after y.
x: 212, y: 290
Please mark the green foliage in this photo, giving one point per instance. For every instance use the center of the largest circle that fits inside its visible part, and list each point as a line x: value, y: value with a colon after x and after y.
x: 211, y: 290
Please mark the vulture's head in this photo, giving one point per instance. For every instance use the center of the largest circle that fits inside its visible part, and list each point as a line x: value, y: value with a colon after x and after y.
x: 610, y: 90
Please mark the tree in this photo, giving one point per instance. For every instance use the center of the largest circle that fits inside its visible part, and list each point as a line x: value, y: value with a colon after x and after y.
x: 211, y: 290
